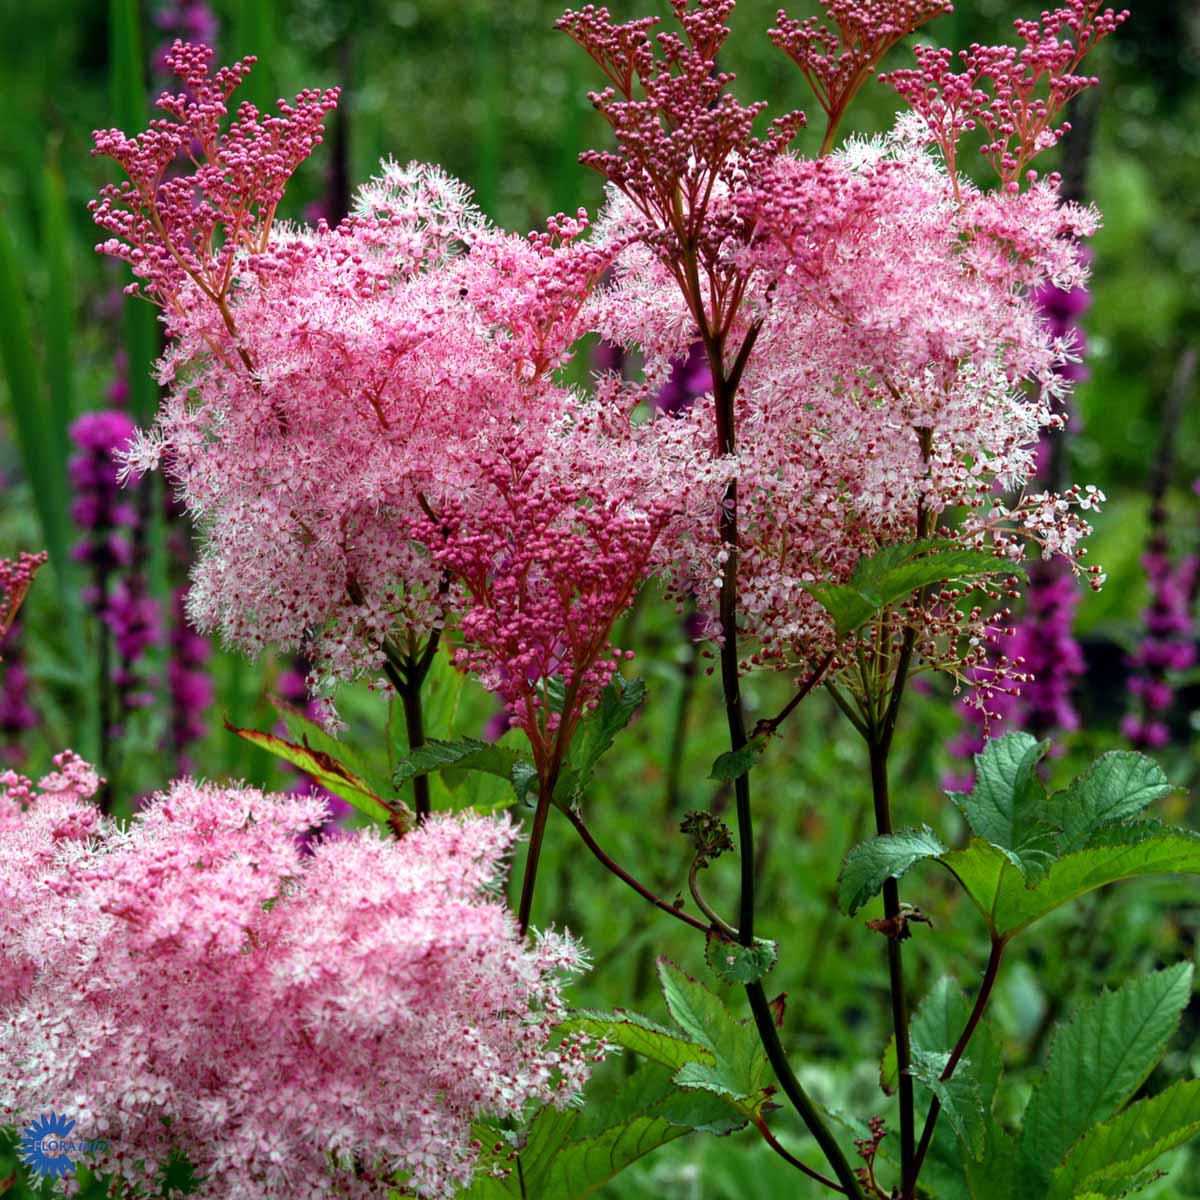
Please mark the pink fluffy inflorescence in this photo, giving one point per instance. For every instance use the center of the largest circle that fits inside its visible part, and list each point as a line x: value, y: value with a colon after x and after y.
x: 876, y: 314
x: 344, y: 422
x: 293, y: 1024
x: 884, y: 393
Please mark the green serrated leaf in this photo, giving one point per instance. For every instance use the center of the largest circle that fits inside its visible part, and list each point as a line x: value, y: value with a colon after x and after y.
x: 733, y: 764
x: 739, y: 1068
x: 331, y: 774
x: 871, y: 863
x: 618, y: 702
x: 1097, y: 1061
x: 959, y: 1096
x: 570, y: 1155
x: 896, y: 571
x: 1112, y: 1153
x: 1007, y: 805
x: 735, y: 963
x: 1116, y: 787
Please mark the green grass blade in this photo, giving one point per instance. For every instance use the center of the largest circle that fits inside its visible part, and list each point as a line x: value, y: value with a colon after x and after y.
x: 130, y: 109
x: 127, y: 74
x: 254, y: 33
x: 58, y: 306
x: 39, y: 453
x: 489, y: 127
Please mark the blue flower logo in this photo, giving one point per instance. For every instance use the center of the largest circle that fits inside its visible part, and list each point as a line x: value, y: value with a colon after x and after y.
x: 46, y: 1145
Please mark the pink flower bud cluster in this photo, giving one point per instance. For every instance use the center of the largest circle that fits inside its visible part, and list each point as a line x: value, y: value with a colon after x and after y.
x: 16, y: 574
x: 296, y: 1025
x: 684, y: 145
x: 178, y: 227
x: 1013, y: 94
x: 837, y: 64
x: 549, y: 564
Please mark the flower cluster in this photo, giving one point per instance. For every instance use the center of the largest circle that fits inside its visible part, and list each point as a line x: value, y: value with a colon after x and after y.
x: 869, y: 318
x: 1014, y: 94
x: 16, y: 574
x: 836, y: 65
x: 884, y: 391
x: 189, y: 227
x: 368, y: 426
x: 292, y: 1024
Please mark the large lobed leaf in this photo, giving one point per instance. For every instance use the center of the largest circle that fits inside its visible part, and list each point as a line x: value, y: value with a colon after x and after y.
x: 1009, y: 905
x: 632, y: 1031
x: 1033, y: 853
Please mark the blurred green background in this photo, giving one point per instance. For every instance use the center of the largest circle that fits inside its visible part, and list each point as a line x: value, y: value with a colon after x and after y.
x: 493, y: 93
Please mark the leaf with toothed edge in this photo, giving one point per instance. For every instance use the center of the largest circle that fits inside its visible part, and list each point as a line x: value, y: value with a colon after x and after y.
x: 870, y: 864
x: 894, y: 572
x: 463, y: 754
x: 1007, y: 805
x: 1115, y: 1151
